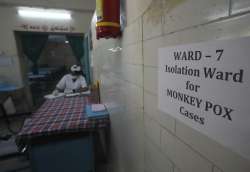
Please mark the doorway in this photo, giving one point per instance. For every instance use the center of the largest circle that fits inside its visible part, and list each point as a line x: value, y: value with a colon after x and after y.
x: 46, y: 57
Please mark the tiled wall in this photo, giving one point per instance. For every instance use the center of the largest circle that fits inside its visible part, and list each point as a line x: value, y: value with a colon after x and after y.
x: 143, y: 138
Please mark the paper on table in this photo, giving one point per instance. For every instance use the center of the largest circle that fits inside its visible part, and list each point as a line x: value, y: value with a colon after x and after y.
x: 78, y: 94
x: 51, y: 96
x: 86, y: 92
x: 97, y: 107
x: 95, y: 114
x: 72, y: 94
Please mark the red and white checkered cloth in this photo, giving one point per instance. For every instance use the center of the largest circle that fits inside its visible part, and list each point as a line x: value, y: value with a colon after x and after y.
x: 60, y: 116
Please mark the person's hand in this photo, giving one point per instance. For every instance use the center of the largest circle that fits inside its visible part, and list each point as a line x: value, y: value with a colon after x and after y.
x: 83, y: 89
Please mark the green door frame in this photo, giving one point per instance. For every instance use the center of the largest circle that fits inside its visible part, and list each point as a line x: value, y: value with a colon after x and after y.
x: 86, y: 59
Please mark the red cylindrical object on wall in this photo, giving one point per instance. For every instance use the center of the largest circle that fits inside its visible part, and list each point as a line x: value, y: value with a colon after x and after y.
x: 108, y: 19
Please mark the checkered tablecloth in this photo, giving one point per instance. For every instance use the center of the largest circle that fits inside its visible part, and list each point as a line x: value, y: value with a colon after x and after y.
x: 60, y: 116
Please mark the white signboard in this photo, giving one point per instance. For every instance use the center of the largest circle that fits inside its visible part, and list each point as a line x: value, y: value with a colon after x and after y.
x: 207, y: 86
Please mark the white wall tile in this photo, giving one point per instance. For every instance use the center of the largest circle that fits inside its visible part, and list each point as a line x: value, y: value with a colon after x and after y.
x: 240, y: 6
x: 111, y: 93
x: 132, y: 95
x: 127, y: 138
x: 182, y: 155
x: 151, y: 79
x: 183, y: 14
x: 168, y: 144
x: 117, y: 139
x: 156, y: 158
x: 216, y: 169
x: 132, y: 54
x: 150, y: 51
x: 176, y: 169
x: 151, y: 109
x: 227, y: 29
x: 152, y: 20
x: 167, y: 122
x: 132, y: 139
x: 220, y: 156
x: 132, y: 73
x: 148, y: 167
x: 151, y: 47
x: 132, y: 33
x: 152, y: 130
x: 135, y: 9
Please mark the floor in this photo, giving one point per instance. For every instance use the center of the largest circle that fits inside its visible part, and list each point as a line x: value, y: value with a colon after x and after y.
x: 12, y: 164
x: 15, y: 165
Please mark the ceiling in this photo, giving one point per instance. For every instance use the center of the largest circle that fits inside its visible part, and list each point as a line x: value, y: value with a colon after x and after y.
x: 74, y: 5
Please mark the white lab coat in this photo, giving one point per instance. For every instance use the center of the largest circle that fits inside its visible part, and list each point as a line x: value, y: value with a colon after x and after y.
x: 68, y: 85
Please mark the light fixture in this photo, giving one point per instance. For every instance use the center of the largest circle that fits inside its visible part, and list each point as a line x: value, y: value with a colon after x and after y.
x: 66, y: 42
x: 44, y: 13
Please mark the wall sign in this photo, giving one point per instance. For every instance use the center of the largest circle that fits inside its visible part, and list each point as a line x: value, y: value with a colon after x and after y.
x: 47, y: 28
x: 207, y: 86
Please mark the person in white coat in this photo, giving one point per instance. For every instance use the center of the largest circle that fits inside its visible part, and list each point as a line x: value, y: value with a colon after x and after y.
x: 72, y: 83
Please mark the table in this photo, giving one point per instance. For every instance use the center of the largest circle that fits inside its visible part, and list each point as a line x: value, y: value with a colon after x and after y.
x: 4, y: 87
x: 59, y: 135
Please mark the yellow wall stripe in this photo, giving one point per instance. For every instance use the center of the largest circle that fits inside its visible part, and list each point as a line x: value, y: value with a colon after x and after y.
x: 107, y: 24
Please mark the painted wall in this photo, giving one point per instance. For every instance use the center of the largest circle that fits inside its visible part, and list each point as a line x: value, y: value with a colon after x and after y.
x: 143, y: 138
x: 84, y: 5
x: 11, y: 22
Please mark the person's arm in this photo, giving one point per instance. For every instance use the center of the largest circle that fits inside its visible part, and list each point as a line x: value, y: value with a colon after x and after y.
x: 84, y: 86
x: 57, y: 91
x: 60, y: 86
